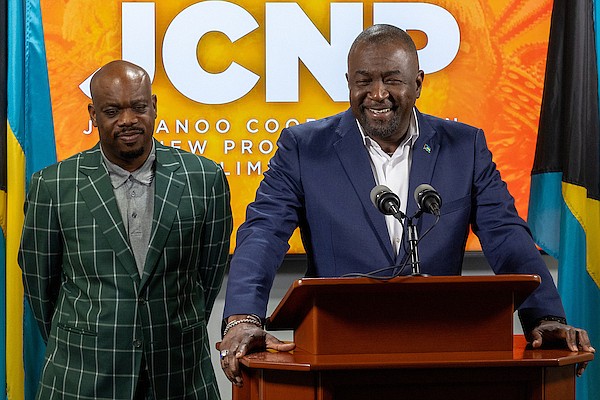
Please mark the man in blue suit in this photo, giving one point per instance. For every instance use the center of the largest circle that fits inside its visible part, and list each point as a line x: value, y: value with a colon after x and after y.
x: 321, y: 177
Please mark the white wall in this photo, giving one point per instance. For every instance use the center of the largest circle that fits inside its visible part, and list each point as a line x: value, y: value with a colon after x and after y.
x: 292, y: 269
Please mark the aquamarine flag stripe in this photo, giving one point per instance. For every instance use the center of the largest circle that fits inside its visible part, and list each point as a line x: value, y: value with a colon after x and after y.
x: 559, y: 234
x: 29, y: 110
x: 581, y: 296
x: 30, y: 117
x: 545, y: 207
x: 15, y: 68
x: 33, y: 353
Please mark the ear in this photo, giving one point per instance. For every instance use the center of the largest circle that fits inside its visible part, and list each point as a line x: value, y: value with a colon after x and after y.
x: 154, y: 100
x: 92, y: 112
x: 419, y: 82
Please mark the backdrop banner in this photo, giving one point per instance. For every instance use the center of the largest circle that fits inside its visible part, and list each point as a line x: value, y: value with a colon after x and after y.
x: 230, y: 75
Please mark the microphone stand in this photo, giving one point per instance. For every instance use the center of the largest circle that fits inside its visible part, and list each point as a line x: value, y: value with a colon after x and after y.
x: 413, y: 239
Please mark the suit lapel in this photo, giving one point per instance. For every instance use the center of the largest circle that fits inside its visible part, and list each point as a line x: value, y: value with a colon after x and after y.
x: 168, y: 188
x: 424, y: 157
x: 355, y: 161
x: 98, y: 194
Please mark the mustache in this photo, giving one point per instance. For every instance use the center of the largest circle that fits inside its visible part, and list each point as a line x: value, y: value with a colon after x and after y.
x: 129, y: 131
x: 385, y: 104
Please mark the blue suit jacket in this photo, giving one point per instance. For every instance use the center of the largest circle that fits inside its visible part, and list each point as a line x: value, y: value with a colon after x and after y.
x: 320, y: 179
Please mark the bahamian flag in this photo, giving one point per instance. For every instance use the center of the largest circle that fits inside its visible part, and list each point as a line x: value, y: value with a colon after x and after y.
x: 30, y: 146
x: 3, y: 50
x: 564, y: 208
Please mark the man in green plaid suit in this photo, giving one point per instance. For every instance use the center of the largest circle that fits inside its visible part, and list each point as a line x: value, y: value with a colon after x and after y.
x: 123, y: 253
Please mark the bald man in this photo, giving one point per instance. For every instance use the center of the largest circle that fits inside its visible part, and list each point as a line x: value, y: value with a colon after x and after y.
x: 123, y: 253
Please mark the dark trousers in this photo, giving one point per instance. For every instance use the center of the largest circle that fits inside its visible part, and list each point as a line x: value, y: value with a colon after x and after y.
x: 143, y: 390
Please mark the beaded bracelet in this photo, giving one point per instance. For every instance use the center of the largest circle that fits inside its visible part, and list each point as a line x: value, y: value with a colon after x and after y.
x: 528, y: 328
x: 552, y: 318
x: 251, y: 319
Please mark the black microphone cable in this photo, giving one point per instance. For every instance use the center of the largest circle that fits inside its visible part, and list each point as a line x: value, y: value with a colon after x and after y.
x: 401, y: 267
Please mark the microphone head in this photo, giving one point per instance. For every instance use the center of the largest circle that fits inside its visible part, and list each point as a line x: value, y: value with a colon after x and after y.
x: 385, y: 200
x: 421, y: 190
x: 428, y: 199
x: 376, y: 192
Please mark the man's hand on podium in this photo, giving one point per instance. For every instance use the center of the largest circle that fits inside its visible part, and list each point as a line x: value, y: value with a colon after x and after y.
x: 552, y: 332
x: 244, y: 338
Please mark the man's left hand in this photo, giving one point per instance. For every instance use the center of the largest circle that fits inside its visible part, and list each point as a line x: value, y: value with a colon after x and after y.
x: 576, y: 339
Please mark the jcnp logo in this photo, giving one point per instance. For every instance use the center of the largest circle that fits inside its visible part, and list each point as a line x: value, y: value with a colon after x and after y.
x: 290, y: 36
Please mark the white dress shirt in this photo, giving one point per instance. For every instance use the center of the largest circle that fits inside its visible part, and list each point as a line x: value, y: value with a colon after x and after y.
x: 393, y: 171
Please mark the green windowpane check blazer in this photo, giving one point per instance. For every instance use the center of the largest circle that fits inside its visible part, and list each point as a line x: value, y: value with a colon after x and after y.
x: 97, y: 314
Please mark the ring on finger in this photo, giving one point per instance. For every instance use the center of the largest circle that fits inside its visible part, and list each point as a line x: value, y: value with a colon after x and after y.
x: 224, y: 353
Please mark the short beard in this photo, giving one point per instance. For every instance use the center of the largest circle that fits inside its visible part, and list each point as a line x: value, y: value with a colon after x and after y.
x: 381, y: 131
x: 132, y: 154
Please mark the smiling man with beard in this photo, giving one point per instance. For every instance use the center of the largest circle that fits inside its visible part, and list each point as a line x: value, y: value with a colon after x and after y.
x: 123, y: 254
x: 384, y: 82
x: 320, y: 180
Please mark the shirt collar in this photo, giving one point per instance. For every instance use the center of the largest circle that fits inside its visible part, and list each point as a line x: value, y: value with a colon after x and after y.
x: 143, y: 175
x: 413, y: 133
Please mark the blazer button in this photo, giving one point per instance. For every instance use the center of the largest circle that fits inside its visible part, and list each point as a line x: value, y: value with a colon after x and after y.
x: 137, y: 343
x: 142, y: 301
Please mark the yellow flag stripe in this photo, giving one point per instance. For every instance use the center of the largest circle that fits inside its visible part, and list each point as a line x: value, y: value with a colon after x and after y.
x: 587, y: 212
x: 14, y: 288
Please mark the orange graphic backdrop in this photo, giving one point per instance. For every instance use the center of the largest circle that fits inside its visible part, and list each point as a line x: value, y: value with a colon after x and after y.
x: 495, y: 82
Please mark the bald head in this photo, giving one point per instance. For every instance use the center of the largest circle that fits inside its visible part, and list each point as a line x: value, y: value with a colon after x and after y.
x: 123, y: 109
x: 115, y: 71
x: 381, y: 34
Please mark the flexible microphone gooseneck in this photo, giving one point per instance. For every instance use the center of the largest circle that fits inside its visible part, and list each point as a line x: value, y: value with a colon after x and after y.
x: 388, y: 203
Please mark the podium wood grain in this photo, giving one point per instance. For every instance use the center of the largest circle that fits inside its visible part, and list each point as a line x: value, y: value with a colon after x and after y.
x: 410, y: 338
x: 519, y: 374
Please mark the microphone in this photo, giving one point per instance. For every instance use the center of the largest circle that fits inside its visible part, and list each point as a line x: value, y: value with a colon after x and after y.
x: 428, y: 199
x: 386, y: 201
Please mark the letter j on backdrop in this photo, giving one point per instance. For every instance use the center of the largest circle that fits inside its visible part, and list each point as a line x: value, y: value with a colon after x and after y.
x: 301, y: 41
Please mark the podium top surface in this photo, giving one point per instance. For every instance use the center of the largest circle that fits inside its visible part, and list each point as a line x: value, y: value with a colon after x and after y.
x: 521, y: 356
x: 302, y: 293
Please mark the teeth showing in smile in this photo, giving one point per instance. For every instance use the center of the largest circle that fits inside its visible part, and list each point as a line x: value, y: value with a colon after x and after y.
x: 379, y: 111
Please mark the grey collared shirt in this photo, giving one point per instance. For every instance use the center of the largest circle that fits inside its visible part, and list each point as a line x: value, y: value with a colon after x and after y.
x: 134, y: 192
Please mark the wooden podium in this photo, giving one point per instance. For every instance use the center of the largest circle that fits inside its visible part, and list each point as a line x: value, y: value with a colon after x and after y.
x: 408, y: 338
